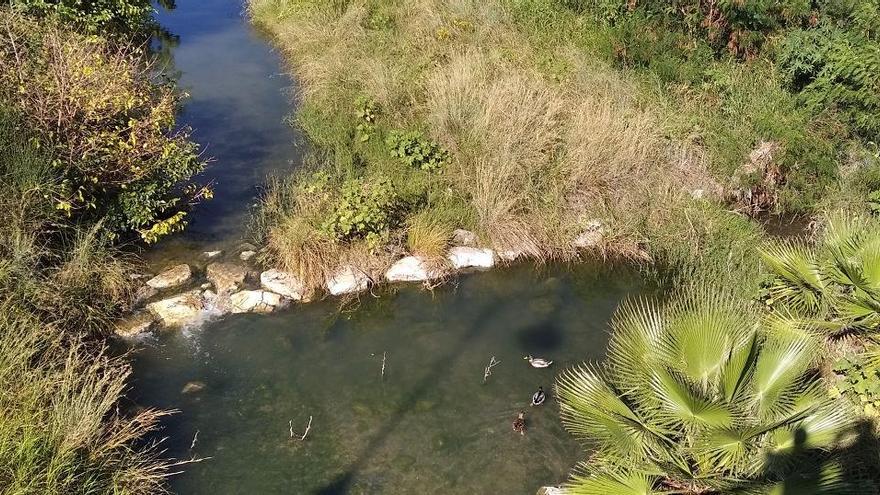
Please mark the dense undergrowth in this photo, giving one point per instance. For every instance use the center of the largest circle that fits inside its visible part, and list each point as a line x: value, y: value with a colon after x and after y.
x: 88, y: 157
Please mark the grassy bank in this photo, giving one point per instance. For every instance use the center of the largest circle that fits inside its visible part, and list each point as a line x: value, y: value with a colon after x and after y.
x: 429, y: 116
x: 88, y: 157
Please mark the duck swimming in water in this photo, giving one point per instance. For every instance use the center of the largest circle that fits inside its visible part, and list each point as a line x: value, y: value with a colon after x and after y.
x: 539, y: 397
x: 538, y: 362
x: 519, y: 424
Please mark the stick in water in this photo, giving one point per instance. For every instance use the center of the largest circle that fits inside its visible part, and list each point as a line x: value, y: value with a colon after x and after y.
x: 488, y: 371
x: 290, y: 424
x: 383, y: 366
x: 195, y: 439
x: 309, y: 427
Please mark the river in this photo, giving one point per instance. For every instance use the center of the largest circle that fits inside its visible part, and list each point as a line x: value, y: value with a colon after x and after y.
x: 392, y: 386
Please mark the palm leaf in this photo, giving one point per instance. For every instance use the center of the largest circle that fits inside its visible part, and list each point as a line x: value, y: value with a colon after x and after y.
x: 638, y: 327
x: 800, y: 283
x: 680, y: 405
x: 778, y: 369
x: 611, y: 483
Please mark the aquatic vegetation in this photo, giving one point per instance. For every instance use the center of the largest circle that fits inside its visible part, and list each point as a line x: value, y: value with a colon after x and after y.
x: 700, y: 396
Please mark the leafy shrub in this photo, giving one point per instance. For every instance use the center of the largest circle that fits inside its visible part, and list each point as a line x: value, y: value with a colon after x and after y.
x: 93, y: 16
x: 860, y: 383
x: 96, y: 108
x: 365, y: 209
x: 366, y: 112
x: 413, y: 149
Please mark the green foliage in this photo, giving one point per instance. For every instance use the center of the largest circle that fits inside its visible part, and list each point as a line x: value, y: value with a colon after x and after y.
x: 701, y: 397
x: 366, y: 113
x: 365, y: 209
x: 110, y: 126
x: 859, y: 382
x: 413, y: 149
x: 93, y: 16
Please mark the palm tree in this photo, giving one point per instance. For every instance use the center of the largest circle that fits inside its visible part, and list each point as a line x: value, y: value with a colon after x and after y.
x: 699, y: 397
x: 837, y: 283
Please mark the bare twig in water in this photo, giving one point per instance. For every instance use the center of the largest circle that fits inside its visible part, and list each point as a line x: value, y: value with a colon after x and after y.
x: 290, y: 424
x: 383, y: 366
x: 488, y: 371
x: 195, y: 439
x: 308, y: 428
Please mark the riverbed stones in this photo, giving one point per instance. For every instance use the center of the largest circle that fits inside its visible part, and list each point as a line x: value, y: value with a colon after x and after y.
x: 591, y: 237
x: 284, y: 283
x: 172, y: 277
x: 411, y: 269
x: 461, y: 237
x: 347, y: 280
x: 254, y: 301
x: 462, y: 257
x: 134, y: 325
x: 226, y: 277
x: 179, y: 310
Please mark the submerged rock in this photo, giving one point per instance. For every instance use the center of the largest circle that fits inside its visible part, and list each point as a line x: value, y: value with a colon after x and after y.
x: 461, y: 237
x: 254, y: 301
x: 171, y: 277
x: 284, y: 283
x: 226, y: 277
x: 411, y: 269
x: 179, y: 310
x: 347, y: 280
x: 134, y: 325
x: 591, y: 237
x: 193, y: 387
x: 212, y: 254
x: 470, y: 257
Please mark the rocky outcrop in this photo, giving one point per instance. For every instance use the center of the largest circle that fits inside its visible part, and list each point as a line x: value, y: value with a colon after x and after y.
x: 591, y: 237
x: 462, y: 257
x: 179, y: 310
x: 226, y: 277
x: 134, y: 325
x: 461, y: 237
x: 347, y: 280
x: 172, y: 277
x: 285, y: 284
x: 411, y: 269
x: 254, y: 301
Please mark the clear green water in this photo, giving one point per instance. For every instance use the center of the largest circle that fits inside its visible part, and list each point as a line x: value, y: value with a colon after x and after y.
x: 430, y: 426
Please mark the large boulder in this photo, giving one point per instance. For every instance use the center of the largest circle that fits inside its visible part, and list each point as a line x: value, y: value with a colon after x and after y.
x: 254, y: 301
x: 172, y: 277
x: 411, y: 269
x: 179, y: 310
x: 134, y: 325
x: 470, y: 257
x: 347, y: 280
x: 461, y: 237
x: 226, y: 277
x: 284, y: 283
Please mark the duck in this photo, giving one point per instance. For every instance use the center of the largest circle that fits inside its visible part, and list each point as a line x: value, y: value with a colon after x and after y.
x: 538, y: 362
x: 539, y: 397
x: 519, y: 424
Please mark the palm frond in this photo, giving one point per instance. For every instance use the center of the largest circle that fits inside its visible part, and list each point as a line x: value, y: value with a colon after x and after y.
x: 779, y: 367
x: 638, y: 326
x: 611, y: 483
x: 679, y: 405
x: 800, y: 283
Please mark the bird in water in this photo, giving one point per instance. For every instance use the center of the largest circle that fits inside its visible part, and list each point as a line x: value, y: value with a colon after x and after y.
x: 519, y: 424
x: 538, y: 362
x: 539, y: 397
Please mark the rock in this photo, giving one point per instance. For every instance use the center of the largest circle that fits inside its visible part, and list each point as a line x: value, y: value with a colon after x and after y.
x: 179, y: 310
x: 247, y: 255
x: 461, y: 237
x: 285, y: 284
x: 144, y: 293
x: 212, y: 254
x: 591, y: 237
x: 346, y: 280
x: 254, y: 301
x: 226, y: 277
x: 134, y: 325
x: 698, y: 194
x: 509, y: 255
x: 410, y: 269
x: 193, y: 387
x: 210, y: 296
x: 470, y: 257
x: 550, y: 490
x: 246, y: 246
x: 171, y: 277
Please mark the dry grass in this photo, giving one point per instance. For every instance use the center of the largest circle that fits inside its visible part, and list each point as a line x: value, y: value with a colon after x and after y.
x: 428, y: 235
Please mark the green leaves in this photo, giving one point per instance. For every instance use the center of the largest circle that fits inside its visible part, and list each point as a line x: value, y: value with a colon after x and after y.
x: 414, y: 150
x: 365, y: 209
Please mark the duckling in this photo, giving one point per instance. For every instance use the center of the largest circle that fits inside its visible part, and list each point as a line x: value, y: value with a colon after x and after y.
x: 539, y: 397
x: 519, y: 424
x: 538, y: 362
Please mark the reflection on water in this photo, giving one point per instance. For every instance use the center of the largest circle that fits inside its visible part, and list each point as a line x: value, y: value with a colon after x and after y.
x: 429, y: 426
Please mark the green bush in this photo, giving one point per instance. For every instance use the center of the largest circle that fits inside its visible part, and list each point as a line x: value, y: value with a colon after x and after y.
x: 365, y: 209
x: 93, y: 16
x: 413, y: 149
x: 859, y: 382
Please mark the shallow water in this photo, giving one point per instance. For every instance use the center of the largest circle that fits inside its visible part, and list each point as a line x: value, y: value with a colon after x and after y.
x: 430, y: 425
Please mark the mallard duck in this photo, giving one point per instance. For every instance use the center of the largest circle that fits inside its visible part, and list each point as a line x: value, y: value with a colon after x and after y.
x: 539, y: 397
x: 519, y: 424
x: 538, y: 362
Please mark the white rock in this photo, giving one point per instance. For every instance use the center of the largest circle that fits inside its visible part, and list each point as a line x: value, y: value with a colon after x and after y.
x: 285, y: 284
x: 410, y: 269
x: 461, y: 237
x: 470, y: 257
x: 247, y: 255
x: 179, y: 310
x: 698, y: 194
x: 254, y: 301
x: 550, y: 490
x: 171, y: 277
x: 134, y: 325
x: 212, y: 254
x: 510, y: 254
x: 226, y: 277
x: 591, y: 237
x: 347, y: 280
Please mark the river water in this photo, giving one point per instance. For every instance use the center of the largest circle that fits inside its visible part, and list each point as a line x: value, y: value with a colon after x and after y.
x: 393, y: 385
